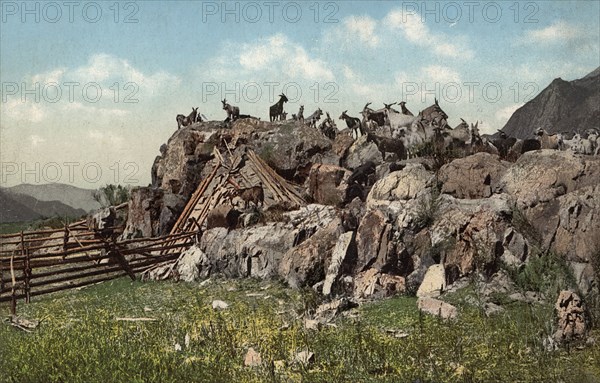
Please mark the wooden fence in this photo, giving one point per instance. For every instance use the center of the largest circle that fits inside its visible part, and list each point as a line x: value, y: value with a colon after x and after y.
x: 41, y: 262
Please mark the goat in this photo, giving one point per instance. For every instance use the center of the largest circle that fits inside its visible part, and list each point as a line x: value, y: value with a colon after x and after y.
x: 328, y: 128
x: 503, y: 144
x: 404, y: 109
x: 185, y: 121
x: 276, y: 111
x: 389, y: 145
x: 372, y: 115
x: 254, y: 194
x: 201, y: 118
x: 353, y: 124
x: 398, y: 120
x: 592, y: 136
x: 582, y: 145
x: 549, y: 141
x: 284, y: 116
x: 313, y: 118
x: 300, y: 114
x: 360, y: 178
x: 247, y: 116
x: 233, y: 112
x: 435, y: 115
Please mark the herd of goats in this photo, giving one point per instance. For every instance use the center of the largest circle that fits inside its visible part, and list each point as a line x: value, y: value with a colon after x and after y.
x: 403, y: 133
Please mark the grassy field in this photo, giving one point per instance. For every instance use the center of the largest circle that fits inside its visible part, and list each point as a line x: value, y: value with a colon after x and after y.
x: 80, y: 339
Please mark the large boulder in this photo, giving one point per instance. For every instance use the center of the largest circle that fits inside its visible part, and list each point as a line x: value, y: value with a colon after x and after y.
x: 405, y: 184
x: 373, y: 245
x: 372, y: 283
x: 543, y: 175
x: 305, y: 265
x: 474, y: 176
x: 570, y: 225
x: 434, y: 282
x: 436, y: 307
x: 363, y: 151
x: 469, y: 234
x: 289, y: 148
x: 143, y: 218
x: 570, y: 313
x: 326, y: 184
x: 344, y: 249
x: 250, y: 252
x: 152, y: 212
x: 179, y: 169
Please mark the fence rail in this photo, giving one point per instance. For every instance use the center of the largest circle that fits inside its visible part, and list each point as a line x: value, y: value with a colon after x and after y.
x: 46, y: 261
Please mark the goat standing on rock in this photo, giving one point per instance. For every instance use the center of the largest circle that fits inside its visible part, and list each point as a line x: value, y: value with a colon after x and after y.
x: 233, y: 112
x: 276, y: 111
x: 313, y: 118
x: 254, y: 194
x: 185, y: 121
x: 353, y: 124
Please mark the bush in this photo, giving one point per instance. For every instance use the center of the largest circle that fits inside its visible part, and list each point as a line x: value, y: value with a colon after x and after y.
x: 546, y: 273
x: 428, y: 208
x: 112, y: 195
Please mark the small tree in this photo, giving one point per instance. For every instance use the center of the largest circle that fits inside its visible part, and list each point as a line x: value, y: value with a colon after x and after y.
x: 111, y: 195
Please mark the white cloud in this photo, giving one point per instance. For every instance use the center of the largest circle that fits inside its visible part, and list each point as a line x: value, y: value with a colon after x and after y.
x: 28, y: 111
x: 106, y: 69
x: 559, y: 32
x: 352, y: 32
x: 418, y: 33
x: 54, y: 76
x: 279, y: 54
x: 441, y: 74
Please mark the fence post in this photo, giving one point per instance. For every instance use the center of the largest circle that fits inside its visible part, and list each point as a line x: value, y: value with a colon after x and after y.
x: 13, y: 301
x: 65, y: 239
x: 114, y: 250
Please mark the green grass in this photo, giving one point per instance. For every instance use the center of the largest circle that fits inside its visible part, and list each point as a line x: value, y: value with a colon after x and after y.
x: 79, y: 339
x: 13, y: 227
x: 52, y: 222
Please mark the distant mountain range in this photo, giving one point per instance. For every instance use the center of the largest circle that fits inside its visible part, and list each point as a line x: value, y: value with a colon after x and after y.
x: 28, y: 202
x: 69, y: 195
x: 21, y: 207
x: 564, y: 106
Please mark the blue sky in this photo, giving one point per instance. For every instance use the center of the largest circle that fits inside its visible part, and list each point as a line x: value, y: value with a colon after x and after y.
x: 482, y: 60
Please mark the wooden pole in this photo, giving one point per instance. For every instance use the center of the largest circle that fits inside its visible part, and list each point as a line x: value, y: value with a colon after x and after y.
x: 13, y: 300
x: 26, y: 268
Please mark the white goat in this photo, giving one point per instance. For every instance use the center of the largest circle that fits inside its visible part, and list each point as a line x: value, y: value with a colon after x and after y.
x: 549, y: 141
x: 399, y: 120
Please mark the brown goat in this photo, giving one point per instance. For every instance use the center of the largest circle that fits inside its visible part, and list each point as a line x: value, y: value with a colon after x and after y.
x: 254, y: 194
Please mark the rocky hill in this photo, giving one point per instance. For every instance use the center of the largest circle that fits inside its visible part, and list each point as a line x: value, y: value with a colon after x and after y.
x: 374, y: 225
x: 22, y: 208
x: 564, y: 106
x: 73, y: 196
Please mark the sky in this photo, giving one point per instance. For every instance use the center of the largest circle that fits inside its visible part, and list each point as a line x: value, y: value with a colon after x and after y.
x: 90, y: 90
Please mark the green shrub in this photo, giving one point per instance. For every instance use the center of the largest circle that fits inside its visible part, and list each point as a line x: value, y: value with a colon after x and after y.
x: 545, y: 273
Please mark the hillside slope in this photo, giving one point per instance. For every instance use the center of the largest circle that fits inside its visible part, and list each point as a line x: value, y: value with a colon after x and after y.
x: 75, y: 197
x: 21, y: 207
x: 564, y: 106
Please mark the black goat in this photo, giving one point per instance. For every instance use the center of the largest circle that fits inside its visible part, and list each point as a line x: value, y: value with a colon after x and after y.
x: 353, y: 124
x: 276, y: 111
x: 185, y: 121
